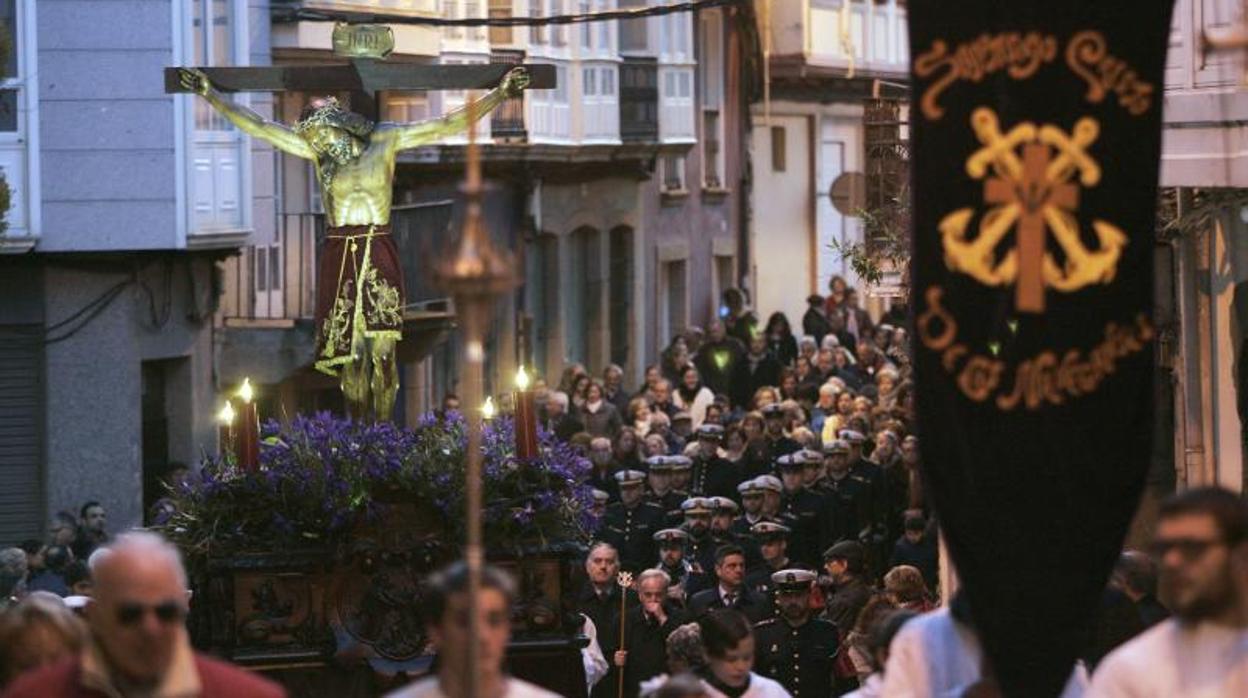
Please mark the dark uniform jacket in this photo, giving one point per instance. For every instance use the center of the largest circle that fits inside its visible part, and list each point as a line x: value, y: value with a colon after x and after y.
x: 646, y: 642
x: 715, y: 477
x: 809, y: 513
x: 632, y: 531
x: 758, y: 578
x: 670, y: 504
x: 801, y: 658
x: 848, y: 503
x: 782, y: 446
x: 751, y: 603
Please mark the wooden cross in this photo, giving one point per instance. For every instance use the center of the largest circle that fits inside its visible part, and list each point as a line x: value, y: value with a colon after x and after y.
x: 1031, y: 192
x: 363, y: 78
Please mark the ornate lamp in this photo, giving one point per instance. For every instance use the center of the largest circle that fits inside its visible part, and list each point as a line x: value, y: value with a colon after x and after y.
x: 475, y: 275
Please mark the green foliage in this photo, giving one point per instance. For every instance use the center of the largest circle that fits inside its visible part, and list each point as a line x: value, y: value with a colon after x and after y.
x: 887, y: 230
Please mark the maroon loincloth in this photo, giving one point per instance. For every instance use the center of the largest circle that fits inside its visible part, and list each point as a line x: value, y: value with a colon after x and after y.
x: 359, y: 289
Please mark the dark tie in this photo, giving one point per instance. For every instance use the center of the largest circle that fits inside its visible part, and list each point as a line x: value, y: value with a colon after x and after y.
x: 730, y: 600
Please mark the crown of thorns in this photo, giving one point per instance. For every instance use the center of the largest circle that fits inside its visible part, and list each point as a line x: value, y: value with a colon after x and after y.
x: 326, y: 111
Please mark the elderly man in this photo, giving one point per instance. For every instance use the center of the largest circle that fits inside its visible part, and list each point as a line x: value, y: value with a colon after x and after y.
x: 599, y: 599
x: 602, y: 476
x: 1201, y: 546
x: 646, y: 627
x: 139, y: 644
x: 446, y: 606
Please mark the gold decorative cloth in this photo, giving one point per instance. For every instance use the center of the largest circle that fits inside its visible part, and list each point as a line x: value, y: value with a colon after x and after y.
x: 359, y: 293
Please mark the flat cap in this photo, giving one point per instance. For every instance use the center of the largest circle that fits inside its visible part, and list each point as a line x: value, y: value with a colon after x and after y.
x: 682, y: 416
x: 850, y: 550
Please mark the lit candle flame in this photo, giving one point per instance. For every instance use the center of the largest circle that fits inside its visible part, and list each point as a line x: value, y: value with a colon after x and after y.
x: 487, y: 410
x: 522, y: 379
x: 245, y: 392
x: 226, y: 415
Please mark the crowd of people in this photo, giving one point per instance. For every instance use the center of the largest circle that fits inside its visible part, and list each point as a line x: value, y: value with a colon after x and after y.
x: 762, y: 532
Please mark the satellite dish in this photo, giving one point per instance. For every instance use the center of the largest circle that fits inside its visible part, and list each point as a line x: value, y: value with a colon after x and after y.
x: 849, y: 193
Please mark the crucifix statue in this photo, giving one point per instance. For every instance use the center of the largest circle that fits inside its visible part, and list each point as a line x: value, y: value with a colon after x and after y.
x: 360, y: 297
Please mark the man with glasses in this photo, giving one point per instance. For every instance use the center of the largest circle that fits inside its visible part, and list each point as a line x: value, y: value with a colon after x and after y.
x: 139, y: 644
x: 1202, y: 551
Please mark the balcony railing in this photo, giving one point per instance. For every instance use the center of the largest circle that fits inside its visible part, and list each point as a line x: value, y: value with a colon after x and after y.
x: 277, y: 281
x: 639, y: 100
x: 507, y: 121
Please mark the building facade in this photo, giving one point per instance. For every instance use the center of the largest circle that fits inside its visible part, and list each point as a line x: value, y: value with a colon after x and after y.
x: 825, y: 59
x: 1203, y: 267
x: 123, y: 199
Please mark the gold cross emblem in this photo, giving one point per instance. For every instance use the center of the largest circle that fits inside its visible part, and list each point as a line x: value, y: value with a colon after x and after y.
x: 1032, y: 194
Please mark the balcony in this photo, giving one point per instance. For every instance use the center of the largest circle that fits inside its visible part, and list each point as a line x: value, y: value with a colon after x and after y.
x: 869, y: 35
x: 507, y: 121
x: 274, y: 285
x: 639, y: 100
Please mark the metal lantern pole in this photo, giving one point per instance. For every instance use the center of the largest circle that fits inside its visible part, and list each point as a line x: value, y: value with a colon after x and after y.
x: 475, y: 275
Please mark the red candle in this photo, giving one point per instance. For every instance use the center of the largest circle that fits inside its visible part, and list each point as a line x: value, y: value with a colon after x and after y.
x: 247, y: 438
x: 526, y: 418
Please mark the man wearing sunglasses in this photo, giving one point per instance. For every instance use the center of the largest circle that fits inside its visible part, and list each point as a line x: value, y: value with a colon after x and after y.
x: 1201, y: 549
x: 139, y: 645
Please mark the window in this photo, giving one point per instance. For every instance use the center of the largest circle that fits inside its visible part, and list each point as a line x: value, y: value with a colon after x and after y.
x: 472, y: 10
x: 777, y: 149
x: 500, y: 9
x: 676, y: 303
x: 608, y: 82
x: 15, y: 91
x: 450, y: 10
x: 712, y: 162
x: 588, y: 81
x: 559, y: 32
x: 604, y: 29
x: 217, y: 155
x: 587, y: 28
x: 621, y: 293
x: 537, y: 33
x: 673, y: 173
x: 582, y: 311
x: 725, y: 273
x: 406, y: 106
x: 543, y: 295
x: 634, y: 34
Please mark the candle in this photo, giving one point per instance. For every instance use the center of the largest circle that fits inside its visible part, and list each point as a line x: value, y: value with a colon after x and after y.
x: 488, y: 410
x: 526, y: 418
x: 247, y: 441
x: 225, y: 430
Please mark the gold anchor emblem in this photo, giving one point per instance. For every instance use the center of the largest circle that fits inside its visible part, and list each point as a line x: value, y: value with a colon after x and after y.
x: 1031, y: 194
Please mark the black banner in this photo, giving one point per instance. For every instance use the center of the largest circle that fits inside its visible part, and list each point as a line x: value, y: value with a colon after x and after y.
x: 1036, y: 138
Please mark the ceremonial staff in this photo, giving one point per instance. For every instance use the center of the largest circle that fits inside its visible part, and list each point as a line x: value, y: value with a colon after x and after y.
x: 625, y: 580
x: 475, y: 275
